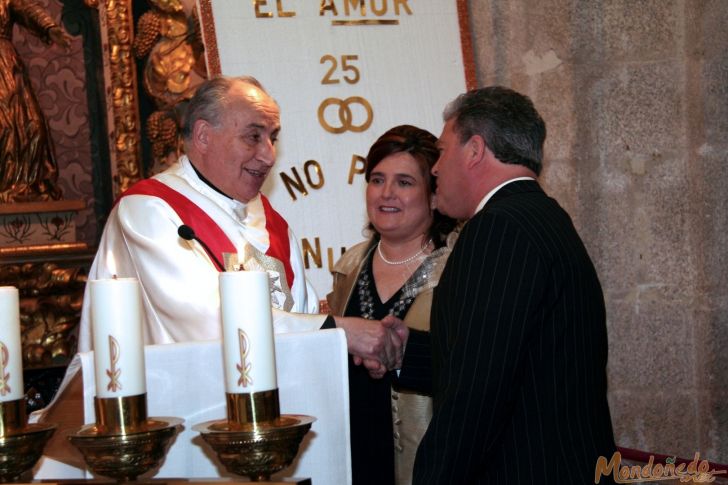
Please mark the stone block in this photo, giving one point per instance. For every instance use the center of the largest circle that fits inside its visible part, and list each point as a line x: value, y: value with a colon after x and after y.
x: 627, y: 31
x: 659, y: 419
x: 714, y: 78
x: 555, y: 100
x: 708, y: 221
x: 638, y: 113
x: 664, y: 217
x: 559, y: 180
x: 651, y: 330
x: 711, y: 340
x: 713, y: 409
x: 519, y: 37
x: 705, y: 32
x: 610, y: 234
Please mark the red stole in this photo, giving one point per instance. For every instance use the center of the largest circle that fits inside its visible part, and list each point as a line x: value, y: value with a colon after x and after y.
x: 208, y: 230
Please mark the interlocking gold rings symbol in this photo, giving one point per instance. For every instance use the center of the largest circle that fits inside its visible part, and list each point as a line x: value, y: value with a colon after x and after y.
x: 346, y: 117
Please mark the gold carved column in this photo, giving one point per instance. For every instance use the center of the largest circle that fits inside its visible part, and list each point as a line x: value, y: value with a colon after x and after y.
x: 117, y: 35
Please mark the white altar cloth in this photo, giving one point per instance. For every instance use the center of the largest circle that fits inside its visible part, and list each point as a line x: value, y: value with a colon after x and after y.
x: 185, y: 380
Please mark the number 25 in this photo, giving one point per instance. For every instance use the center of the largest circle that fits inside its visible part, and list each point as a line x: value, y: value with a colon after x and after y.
x: 346, y: 68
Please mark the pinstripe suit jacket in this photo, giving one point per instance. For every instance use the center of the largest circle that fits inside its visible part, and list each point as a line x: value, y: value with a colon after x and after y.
x: 519, y: 351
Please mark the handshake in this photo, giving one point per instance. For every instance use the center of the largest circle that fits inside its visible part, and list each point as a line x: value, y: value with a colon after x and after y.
x: 378, y: 345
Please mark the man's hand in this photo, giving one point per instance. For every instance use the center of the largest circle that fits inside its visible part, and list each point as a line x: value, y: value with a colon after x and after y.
x: 398, y: 326
x: 377, y: 369
x: 378, y: 346
x: 401, y: 330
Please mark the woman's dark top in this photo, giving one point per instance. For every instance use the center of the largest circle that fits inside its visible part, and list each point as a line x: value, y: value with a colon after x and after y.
x: 372, y: 443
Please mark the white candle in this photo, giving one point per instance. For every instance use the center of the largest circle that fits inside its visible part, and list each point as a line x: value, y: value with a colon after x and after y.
x: 116, y: 319
x: 247, y: 332
x: 11, y: 350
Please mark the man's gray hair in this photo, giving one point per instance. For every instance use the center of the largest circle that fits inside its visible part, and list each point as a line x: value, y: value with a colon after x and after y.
x: 506, y: 120
x: 209, y: 101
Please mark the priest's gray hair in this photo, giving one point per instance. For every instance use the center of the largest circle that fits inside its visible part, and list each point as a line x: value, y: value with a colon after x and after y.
x: 208, y: 102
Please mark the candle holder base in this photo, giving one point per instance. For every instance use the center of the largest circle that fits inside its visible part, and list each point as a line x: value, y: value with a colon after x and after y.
x: 256, y: 450
x: 20, y: 449
x: 125, y: 456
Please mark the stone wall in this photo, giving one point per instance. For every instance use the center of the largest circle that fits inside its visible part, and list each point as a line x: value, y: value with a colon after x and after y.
x: 635, y: 97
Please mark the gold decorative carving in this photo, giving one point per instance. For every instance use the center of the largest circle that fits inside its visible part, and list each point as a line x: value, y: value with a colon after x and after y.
x: 256, y: 450
x: 21, y: 444
x: 121, y: 92
x: 171, y: 42
x: 51, y: 295
x: 124, y: 456
x: 42, y: 249
x: 28, y: 168
x: 210, y: 37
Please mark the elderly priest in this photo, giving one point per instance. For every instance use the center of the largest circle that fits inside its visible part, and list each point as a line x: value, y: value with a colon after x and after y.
x: 170, y: 231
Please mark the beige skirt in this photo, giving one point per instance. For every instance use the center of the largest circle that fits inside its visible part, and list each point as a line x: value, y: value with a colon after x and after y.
x: 411, y: 415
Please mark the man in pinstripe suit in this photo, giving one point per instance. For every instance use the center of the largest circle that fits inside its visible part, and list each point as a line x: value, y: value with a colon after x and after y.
x: 518, y: 341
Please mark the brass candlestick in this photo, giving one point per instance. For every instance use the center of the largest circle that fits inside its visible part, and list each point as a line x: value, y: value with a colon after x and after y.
x: 255, y: 440
x: 124, y: 443
x: 21, y: 444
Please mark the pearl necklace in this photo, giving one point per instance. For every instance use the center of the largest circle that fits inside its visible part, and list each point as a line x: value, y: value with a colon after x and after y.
x: 404, y: 261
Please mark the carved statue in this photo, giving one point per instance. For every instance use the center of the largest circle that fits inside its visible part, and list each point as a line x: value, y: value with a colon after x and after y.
x: 28, y: 171
x: 173, y: 70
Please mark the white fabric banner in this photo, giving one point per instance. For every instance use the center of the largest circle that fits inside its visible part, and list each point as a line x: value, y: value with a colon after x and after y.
x: 343, y: 72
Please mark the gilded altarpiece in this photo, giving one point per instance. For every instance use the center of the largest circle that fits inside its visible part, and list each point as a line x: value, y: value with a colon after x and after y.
x: 91, y: 95
x: 88, y: 96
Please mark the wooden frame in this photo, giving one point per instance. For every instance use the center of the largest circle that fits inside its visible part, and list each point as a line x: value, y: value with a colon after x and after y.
x: 122, y: 99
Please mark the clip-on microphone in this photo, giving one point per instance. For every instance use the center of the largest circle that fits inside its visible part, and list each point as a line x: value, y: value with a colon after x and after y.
x: 187, y: 233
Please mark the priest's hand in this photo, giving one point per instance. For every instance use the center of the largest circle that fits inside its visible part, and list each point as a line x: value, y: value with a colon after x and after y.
x: 377, y: 369
x: 372, y: 343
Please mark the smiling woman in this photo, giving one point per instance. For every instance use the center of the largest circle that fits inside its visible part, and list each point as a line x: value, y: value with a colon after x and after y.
x: 393, y: 273
x: 399, y: 204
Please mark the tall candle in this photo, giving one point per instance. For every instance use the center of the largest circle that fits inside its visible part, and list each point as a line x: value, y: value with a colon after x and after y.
x: 247, y: 332
x: 11, y: 350
x: 116, y: 319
